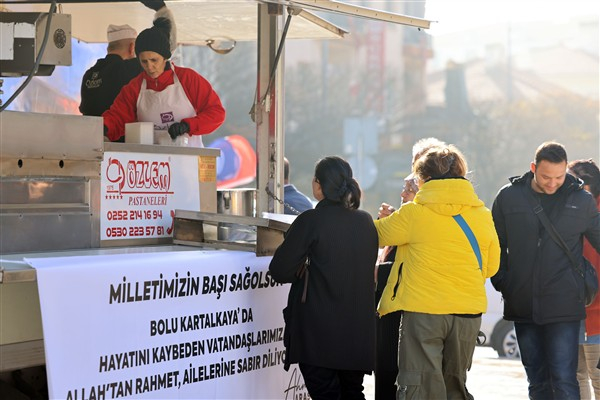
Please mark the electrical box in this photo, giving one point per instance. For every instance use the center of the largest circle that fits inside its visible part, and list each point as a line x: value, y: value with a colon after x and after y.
x: 21, y: 38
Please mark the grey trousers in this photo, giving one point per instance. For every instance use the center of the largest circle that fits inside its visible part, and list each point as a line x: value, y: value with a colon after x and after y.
x: 434, y: 354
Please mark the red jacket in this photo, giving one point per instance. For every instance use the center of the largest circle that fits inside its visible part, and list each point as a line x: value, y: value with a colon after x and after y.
x: 592, y: 321
x: 210, y: 114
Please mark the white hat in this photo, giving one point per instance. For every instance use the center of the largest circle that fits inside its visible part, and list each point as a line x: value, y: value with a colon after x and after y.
x: 118, y: 32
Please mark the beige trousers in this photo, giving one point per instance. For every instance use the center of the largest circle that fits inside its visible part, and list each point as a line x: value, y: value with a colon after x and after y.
x: 589, y: 354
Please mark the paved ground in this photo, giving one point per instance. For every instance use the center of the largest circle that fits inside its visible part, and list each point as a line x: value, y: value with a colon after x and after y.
x: 490, y: 378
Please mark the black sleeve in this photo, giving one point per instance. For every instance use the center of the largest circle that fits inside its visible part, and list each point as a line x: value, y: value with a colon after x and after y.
x: 294, y: 249
x: 500, y: 225
x: 83, y: 105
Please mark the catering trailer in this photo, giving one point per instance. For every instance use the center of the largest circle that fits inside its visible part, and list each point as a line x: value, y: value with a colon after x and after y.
x: 114, y: 274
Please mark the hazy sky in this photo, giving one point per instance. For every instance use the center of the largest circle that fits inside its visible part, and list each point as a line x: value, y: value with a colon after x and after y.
x: 456, y: 15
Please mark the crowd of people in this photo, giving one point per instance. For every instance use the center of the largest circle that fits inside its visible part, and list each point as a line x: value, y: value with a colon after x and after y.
x: 423, y: 268
x: 401, y: 295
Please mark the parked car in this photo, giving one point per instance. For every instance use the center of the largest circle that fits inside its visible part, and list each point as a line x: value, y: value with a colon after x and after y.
x: 500, y: 334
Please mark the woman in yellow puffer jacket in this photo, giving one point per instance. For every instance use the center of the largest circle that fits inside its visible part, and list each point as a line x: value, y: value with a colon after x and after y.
x: 442, y: 290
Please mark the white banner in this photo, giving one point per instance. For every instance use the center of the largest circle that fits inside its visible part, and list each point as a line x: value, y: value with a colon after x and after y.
x: 173, y: 325
x: 140, y: 192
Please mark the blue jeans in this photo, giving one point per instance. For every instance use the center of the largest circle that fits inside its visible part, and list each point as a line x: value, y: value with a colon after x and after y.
x: 549, y: 354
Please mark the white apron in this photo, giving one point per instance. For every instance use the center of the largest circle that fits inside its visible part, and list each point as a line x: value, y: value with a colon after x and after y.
x: 166, y: 107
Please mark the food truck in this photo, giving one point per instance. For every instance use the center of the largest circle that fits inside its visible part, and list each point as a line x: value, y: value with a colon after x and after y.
x: 115, y: 272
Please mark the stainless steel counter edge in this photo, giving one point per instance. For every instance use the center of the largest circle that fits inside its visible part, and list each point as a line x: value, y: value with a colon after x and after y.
x: 157, y: 149
x: 13, y: 268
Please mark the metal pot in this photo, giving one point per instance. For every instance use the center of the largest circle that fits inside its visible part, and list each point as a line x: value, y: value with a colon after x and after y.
x: 237, y: 202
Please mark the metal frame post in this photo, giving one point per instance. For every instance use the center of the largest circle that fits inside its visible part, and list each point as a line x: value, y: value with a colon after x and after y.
x: 269, y: 111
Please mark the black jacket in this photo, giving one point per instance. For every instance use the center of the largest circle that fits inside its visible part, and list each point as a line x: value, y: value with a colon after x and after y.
x: 536, y: 278
x: 103, y: 82
x: 335, y: 327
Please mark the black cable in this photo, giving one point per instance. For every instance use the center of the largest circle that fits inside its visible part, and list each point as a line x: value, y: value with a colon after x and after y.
x: 273, y: 68
x: 38, y: 59
x: 278, y: 53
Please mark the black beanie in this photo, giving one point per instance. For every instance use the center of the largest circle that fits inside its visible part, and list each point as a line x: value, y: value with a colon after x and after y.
x: 155, y: 39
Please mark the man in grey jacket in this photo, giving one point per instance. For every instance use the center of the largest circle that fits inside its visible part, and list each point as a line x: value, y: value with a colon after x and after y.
x: 542, y: 293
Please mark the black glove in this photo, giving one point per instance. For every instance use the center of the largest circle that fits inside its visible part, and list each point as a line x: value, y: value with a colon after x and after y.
x: 153, y: 4
x: 178, y: 129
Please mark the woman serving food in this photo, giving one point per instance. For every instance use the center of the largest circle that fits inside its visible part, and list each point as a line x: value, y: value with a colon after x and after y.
x: 174, y: 98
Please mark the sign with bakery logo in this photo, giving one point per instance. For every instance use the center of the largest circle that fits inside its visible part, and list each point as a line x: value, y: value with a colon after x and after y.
x: 141, y: 191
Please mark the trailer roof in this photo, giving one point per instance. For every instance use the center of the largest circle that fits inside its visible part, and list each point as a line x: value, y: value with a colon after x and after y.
x: 200, y: 21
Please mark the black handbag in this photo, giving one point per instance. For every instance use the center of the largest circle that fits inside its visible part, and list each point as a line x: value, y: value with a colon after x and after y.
x: 296, y: 296
x: 585, y: 269
x: 590, y: 281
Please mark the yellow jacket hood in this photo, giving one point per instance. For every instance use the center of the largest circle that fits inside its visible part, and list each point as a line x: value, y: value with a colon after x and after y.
x: 448, y: 196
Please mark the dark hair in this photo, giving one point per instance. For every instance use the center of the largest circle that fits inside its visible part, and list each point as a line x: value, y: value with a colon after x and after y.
x: 588, y: 172
x: 334, y: 174
x: 286, y: 169
x: 552, y: 152
x: 441, y: 162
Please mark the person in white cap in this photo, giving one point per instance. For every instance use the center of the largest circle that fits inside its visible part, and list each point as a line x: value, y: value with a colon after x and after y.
x: 103, y: 82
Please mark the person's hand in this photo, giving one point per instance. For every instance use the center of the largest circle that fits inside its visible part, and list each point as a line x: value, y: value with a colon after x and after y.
x: 153, y: 4
x: 385, y: 210
x: 178, y: 129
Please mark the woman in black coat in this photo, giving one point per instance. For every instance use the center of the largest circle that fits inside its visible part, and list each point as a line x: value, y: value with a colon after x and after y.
x: 330, y: 320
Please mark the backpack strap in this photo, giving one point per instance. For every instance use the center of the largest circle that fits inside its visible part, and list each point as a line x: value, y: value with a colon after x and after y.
x: 469, y: 234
